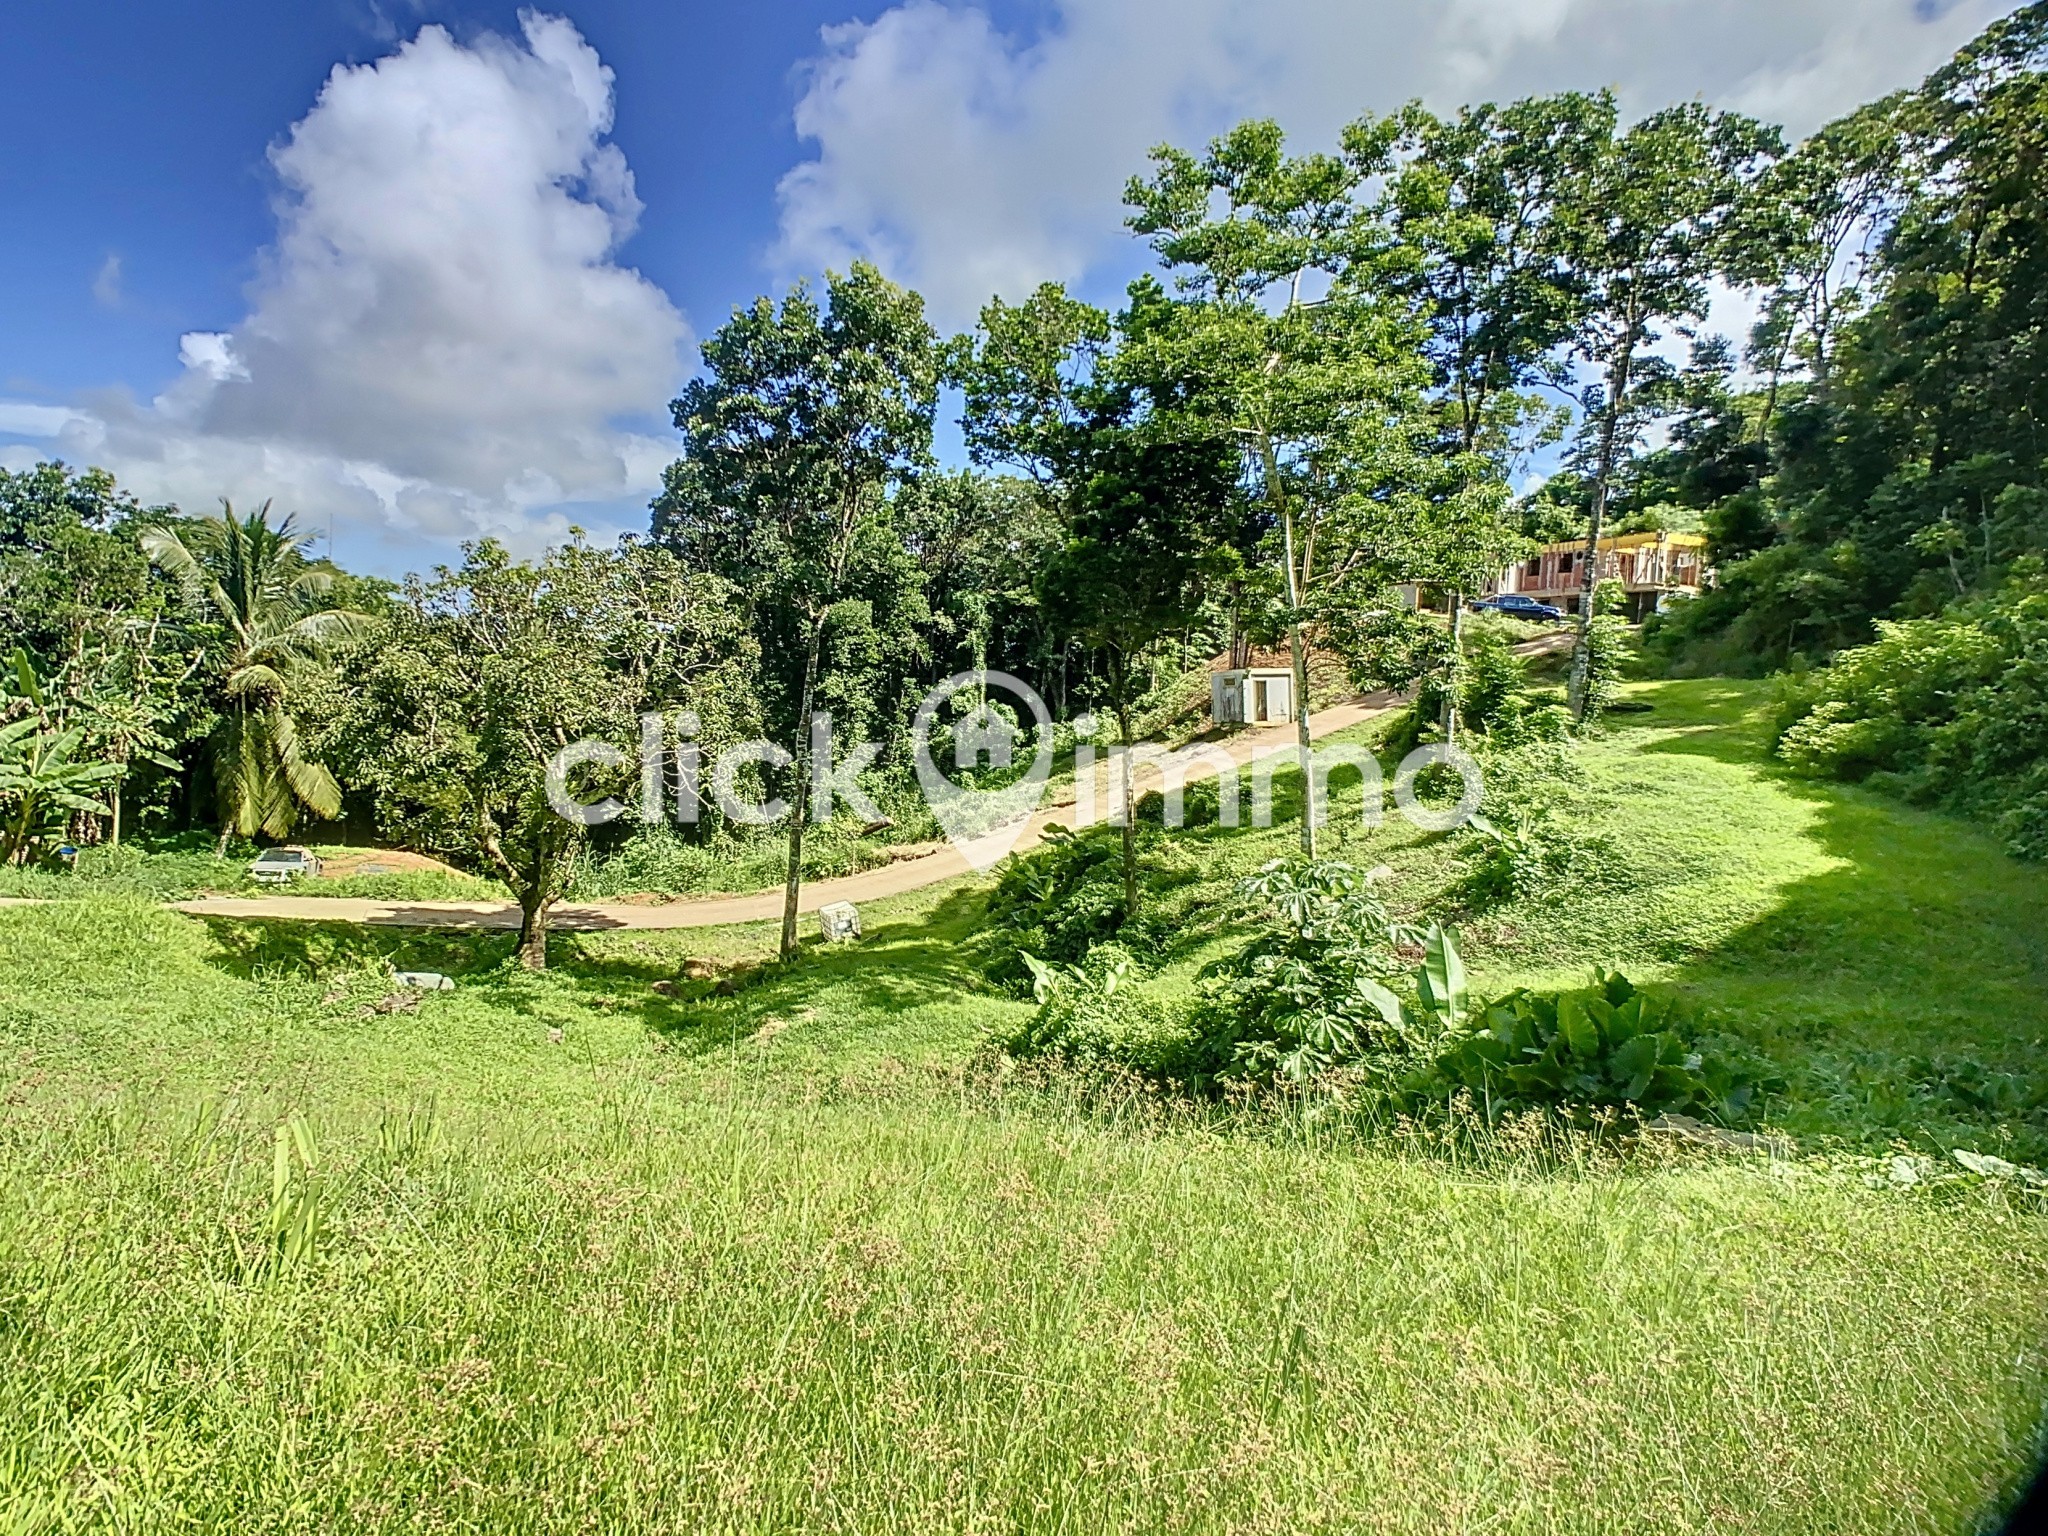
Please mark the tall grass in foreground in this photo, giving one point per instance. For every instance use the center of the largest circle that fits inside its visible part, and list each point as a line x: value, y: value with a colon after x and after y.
x: 564, y: 1253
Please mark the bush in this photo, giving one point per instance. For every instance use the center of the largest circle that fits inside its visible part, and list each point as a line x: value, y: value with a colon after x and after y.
x: 1605, y: 1047
x: 1607, y: 650
x: 1949, y: 711
x: 1493, y: 688
x: 1056, y: 902
x: 1092, y: 1015
x: 1310, y: 992
x: 1533, y: 834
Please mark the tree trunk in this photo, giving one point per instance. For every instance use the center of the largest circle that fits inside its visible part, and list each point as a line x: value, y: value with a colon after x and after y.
x: 1589, y: 583
x: 1297, y: 644
x: 1120, y: 682
x: 800, y: 795
x: 1450, y: 720
x: 114, y: 838
x: 533, y: 929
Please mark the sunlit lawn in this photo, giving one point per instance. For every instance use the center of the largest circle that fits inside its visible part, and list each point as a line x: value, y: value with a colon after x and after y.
x: 595, y: 1257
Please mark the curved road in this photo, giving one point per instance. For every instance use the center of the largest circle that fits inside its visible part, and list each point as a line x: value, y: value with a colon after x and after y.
x: 943, y: 862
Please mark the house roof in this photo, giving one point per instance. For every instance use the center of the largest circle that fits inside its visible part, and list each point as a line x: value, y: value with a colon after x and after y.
x: 1629, y: 541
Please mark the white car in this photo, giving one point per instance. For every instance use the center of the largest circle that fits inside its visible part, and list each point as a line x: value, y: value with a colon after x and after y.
x: 276, y: 866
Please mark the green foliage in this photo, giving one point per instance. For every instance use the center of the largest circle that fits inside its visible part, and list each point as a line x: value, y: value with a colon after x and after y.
x: 1057, y: 902
x: 71, y: 574
x: 1537, y: 834
x: 1607, y: 1047
x: 806, y: 424
x: 1310, y: 992
x: 1606, y: 652
x: 1093, y: 1016
x: 274, y: 614
x: 1950, y: 711
x: 1493, y: 692
x: 42, y: 786
x: 1901, y: 255
x: 487, y: 671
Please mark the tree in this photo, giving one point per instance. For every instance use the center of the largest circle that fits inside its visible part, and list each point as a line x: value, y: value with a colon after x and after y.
x: 489, y: 670
x: 804, y: 423
x: 1320, y: 392
x: 1803, y: 236
x: 1906, y: 470
x: 1140, y: 550
x: 251, y: 577
x: 1146, y: 521
x: 1478, y: 203
x: 979, y: 541
x: 43, y: 783
x: 70, y: 572
x: 1643, y: 231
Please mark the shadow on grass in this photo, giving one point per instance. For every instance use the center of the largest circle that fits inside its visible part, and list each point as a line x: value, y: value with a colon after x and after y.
x: 1901, y: 990
x: 894, y: 968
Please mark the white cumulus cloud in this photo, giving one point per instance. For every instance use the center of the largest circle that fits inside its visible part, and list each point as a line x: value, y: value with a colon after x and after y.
x: 440, y: 339
x: 966, y: 161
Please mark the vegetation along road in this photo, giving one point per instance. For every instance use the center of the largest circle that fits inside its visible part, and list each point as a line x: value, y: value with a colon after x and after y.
x: 940, y: 863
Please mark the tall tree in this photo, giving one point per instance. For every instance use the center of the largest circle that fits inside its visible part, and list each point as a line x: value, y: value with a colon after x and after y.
x: 1804, y: 234
x: 488, y: 670
x: 805, y: 422
x: 1644, y: 232
x: 1479, y: 203
x: 252, y: 578
x: 1287, y: 342
x: 1146, y: 523
x: 1907, y: 470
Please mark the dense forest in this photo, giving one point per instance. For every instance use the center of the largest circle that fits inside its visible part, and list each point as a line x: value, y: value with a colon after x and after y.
x: 1341, y: 363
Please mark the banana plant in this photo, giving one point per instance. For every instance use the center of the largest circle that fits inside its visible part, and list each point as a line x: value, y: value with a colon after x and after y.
x: 43, y: 785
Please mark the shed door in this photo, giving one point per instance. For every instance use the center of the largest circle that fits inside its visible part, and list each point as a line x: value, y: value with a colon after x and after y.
x: 1259, y: 708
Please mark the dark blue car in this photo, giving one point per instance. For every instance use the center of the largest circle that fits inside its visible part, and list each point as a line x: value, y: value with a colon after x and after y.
x: 1519, y: 605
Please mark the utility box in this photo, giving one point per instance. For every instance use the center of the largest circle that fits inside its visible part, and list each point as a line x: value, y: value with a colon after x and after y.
x: 839, y: 921
x: 1251, y: 696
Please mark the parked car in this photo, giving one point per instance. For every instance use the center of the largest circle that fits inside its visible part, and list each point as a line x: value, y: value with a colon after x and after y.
x: 1519, y: 605
x: 275, y: 866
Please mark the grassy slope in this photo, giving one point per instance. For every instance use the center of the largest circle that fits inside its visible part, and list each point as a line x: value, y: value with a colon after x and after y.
x: 772, y: 1262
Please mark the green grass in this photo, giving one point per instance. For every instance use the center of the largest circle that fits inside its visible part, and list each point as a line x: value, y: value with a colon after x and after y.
x: 598, y: 1257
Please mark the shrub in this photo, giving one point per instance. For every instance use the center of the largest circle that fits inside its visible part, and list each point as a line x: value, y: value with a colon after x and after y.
x: 1605, y: 1047
x: 1493, y: 688
x: 1092, y: 1015
x: 1949, y: 711
x: 1607, y: 649
x: 1056, y: 902
x: 1533, y: 834
x: 1310, y: 992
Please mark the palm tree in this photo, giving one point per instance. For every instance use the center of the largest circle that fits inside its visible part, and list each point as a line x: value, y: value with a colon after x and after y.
x: 274, y: 610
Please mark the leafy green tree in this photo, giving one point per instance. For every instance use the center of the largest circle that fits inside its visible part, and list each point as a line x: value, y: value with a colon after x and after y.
x: 1906, y: 470
x: 1480, y: 203
x: 979, y: 540
x: 805, y: 422
x: 1799, y: 237
x: 43, y: 781
x: 71, y: 576
x: 251, y: 578
x: 1289, y: 343
x: 1146, y: 520
x: 1644, y: 229
x: 487, y: 671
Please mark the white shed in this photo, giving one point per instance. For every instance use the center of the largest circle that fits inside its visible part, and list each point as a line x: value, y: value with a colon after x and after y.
x: 1251, y: 696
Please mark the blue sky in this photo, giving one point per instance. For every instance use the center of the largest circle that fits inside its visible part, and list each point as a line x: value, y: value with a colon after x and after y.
x: 450, y: 290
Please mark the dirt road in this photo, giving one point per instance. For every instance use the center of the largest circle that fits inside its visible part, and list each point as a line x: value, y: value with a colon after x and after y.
x: 943, y: 863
